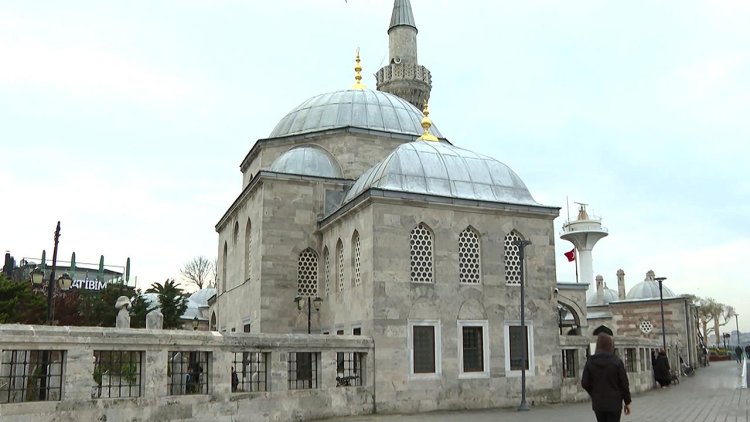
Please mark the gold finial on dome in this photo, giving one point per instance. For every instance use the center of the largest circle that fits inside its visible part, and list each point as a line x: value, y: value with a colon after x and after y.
x: 358, y: 74
x: 426, y: 124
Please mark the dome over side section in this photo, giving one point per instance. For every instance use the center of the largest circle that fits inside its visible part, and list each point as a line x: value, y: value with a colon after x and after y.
x: 365, y: 109
x: 307, y: 160
x: 438, y: 168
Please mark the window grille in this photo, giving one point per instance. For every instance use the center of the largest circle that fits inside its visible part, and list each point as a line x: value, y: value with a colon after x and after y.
x: 188, y: 373
x: 473, y: 349
x: 642, y: 356
x: 630, y: 362
x: 424, y: 349
x: 420, y: 240
x: 327, y: 270
x: 468, y: 257
x: 340, y: 259
x: 117, y: 373
x: 355, y: 258
x: 516, y: 346
x: 303, y: 370
x: 31, y: 375
x: 646, y: 327
x: 250, y: 372
x: 348, y: 369
x: 569, y: 367
x: 512, y: 259
x: 248, y: 251
x: 307, y: 273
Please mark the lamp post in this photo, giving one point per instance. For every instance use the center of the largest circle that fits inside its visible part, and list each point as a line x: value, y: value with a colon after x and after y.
x: 726, y: 336
x: 661, y: 304
x: 523, y: 406
x: 316, y: 302
x: 195, y: 322
x: 737, y: 326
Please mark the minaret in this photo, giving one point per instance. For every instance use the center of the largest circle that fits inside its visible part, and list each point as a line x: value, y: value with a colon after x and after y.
x: 403, y: 76
x: 584, y: 232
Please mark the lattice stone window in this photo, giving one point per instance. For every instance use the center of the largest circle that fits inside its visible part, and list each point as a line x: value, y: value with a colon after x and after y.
x: 468, y: 257
x: 307, y: 273
x: 647, y: 327
x: 340, y: 259
x: 512, y: 259
x: 420, y: 240
x: 327, y: 270
x: 355, y: 257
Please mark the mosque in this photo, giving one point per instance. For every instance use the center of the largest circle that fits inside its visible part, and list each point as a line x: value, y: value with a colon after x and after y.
x: 357, y: 216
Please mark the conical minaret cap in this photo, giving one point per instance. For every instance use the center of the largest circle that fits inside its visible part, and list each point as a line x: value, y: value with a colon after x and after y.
x: 402, y: 15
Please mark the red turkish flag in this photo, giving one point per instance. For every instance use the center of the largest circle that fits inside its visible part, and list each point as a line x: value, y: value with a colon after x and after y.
x: 571, y: 255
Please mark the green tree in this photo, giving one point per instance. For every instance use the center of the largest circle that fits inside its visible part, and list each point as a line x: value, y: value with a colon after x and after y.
x: 19, y: 304
x: 173, y: 302
x: 140, y: 307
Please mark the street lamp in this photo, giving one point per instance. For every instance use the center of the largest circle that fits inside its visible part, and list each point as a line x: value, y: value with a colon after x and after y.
x: 316, y: 302
x: 737, y: 325
x: 661, y: 303
x: 726, y: 336
x: 195, y: 322
x: 523, y: 406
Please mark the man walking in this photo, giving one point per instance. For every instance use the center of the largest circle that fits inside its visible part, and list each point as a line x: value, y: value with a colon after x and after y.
x: 738, y: 353
x: 606, y: 381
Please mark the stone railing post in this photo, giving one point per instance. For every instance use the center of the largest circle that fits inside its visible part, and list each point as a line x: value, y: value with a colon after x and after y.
x: 155, y: 373
x: 221, y: 378
x: 78, y: 373
x: 277, y: 371
x: 327, y: 369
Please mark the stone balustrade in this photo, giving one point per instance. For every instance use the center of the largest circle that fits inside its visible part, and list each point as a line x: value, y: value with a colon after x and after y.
x: 278, y: 377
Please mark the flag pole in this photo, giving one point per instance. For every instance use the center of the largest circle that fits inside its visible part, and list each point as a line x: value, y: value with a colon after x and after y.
x: 576, y: 265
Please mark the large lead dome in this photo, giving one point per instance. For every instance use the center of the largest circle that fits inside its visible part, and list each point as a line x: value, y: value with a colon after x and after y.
x: 438, y: 168
x: 362, y: 108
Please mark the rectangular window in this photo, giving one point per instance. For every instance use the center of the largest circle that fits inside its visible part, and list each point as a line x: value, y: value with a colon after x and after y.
x: 517, y: 352
x: 340, y: 332
x: 31, y: 375
x: 642, y: 356
x: 472, y: 349
x: 250, y: 372
x: 303, y: 370
x: 569, y: 367
x: 424, y: 349
x: 117, y: 374
x: 348, y: 369
x: 357, y: 331
x: 188, y: 372
x: 630, y: 362
x: 246, y: 328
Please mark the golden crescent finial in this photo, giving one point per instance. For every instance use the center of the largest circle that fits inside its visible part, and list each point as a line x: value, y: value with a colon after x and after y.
x: 426, y: 124
x: 358, y: 74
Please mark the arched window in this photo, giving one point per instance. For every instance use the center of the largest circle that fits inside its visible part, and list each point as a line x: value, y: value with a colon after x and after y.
x: 224, y: 269
x: 469, y: 266
x: 512, y: 259
x: 421, y: 246
x: 356, y: 279
x: 248, y: 250
x: 236, y: 233
x: 213, y: 321
x: 307, y: 273
x: 340, y: 264
x: 327, y: 270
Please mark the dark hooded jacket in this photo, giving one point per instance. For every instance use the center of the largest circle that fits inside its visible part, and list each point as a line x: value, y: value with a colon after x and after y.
x: 606, y: 381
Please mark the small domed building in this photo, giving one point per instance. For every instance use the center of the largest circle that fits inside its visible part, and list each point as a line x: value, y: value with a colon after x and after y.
x: 357, y: 206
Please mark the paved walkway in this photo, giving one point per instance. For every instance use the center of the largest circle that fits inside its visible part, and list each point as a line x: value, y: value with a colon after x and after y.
x: 711, y: 395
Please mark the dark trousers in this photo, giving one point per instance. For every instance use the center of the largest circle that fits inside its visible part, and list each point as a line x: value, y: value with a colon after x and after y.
x: 608, y: 416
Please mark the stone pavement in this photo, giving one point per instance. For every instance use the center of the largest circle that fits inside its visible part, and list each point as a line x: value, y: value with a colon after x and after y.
x: 711, y: 395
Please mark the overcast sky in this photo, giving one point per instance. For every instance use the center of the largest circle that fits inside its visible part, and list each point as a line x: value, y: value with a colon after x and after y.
x: 127, y: 121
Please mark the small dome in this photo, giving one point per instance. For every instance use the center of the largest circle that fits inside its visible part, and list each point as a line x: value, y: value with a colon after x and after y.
x: 649, y: 288
x: 438, y: 168
x: 365, y: 109
x: 308, y: 160
x: 609, y: 296
x: 200, y: 298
